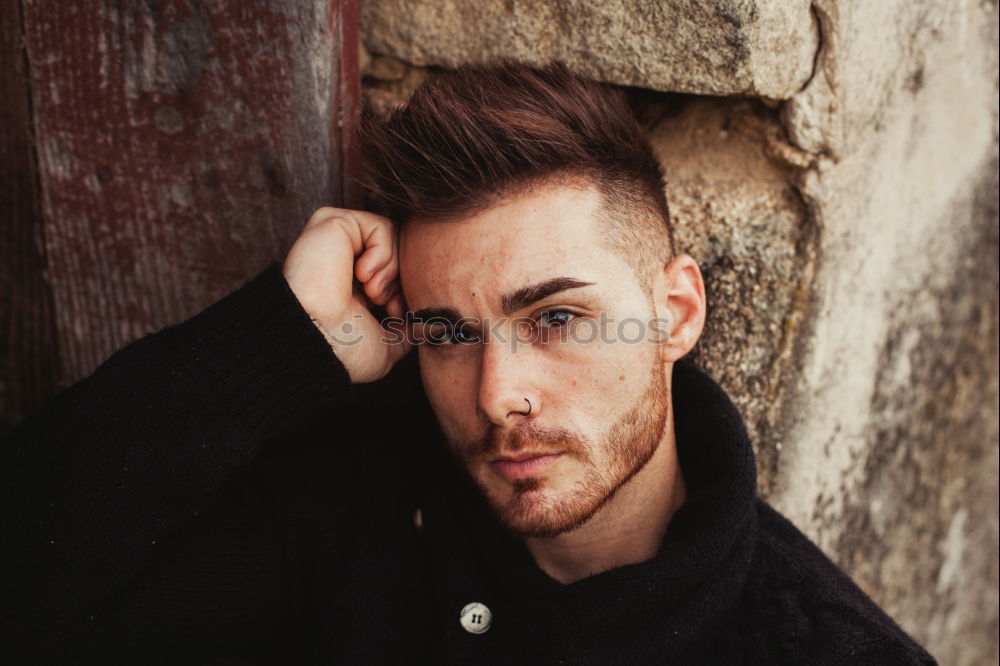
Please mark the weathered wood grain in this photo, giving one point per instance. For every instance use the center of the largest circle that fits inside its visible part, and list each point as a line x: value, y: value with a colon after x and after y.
x: 28, y: 366
x: 181, y: 146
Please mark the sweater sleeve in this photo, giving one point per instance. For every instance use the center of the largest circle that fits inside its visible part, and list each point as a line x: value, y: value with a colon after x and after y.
x: 96, y: 484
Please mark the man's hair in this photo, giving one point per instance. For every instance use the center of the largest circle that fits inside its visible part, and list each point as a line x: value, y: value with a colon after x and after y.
x: 478, y: 135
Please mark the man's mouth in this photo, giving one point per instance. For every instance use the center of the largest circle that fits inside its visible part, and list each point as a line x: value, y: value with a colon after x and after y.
x: 523, y: 466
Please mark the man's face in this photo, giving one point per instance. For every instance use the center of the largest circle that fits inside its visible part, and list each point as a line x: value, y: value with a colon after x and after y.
x: 552, y: 317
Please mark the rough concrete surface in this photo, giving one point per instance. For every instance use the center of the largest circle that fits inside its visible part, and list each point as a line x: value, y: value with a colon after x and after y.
x: 849, y: 241
x: 736, y: 212
x: 713, y: 47
x: 894, y: 407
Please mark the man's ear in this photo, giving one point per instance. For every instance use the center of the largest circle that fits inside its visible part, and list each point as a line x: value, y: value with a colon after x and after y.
x: 679, y: 296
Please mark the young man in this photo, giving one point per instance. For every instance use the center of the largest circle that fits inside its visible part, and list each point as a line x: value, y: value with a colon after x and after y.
x: 580, y: 495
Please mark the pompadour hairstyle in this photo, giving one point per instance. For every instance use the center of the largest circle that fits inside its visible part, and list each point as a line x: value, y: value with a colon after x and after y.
x: 473, y: 137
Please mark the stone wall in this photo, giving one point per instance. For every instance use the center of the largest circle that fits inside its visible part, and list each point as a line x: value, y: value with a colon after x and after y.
x: 833, y: 167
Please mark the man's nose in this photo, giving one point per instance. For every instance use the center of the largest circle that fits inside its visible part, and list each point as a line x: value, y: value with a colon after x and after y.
x: 506, y: 392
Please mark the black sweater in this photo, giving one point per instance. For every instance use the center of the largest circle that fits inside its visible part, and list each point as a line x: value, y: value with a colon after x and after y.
x: 159, y: 511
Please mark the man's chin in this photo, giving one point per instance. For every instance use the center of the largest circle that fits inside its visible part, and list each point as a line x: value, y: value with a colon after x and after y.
x: 532, y: 511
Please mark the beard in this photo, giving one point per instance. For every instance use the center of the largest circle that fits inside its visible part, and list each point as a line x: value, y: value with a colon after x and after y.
x: 629, y: 443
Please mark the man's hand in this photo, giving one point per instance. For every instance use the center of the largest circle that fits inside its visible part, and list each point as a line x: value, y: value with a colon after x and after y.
x: 336, y: 246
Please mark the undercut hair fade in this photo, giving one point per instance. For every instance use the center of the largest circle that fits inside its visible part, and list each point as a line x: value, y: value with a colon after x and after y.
x: 471, y: 138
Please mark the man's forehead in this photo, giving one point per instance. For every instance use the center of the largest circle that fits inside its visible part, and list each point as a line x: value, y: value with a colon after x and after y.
x: 500, y: 251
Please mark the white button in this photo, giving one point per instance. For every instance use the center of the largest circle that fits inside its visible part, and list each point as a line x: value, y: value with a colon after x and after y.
x: 475, y: 618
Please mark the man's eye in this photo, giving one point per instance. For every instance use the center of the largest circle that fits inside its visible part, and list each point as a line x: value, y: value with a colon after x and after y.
x: 464, y: 335
x: 437, y: 334
x: 449, y: 335
x: 555, y: 318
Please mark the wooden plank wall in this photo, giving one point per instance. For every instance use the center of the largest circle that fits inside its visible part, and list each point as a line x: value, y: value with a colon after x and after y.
x: 157, y: 155
x: 29, y: 365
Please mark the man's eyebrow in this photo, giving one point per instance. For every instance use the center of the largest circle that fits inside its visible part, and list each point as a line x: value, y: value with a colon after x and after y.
x: 509, y: 303
x: 525, y: 296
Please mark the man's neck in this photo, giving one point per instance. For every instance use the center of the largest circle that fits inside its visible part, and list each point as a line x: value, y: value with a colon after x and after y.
x: 628, y: 529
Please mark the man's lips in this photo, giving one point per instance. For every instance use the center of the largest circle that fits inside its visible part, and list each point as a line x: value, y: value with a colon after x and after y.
x: 523, y: 467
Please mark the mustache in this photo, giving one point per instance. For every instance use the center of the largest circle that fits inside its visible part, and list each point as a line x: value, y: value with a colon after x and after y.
x: 529, y: 436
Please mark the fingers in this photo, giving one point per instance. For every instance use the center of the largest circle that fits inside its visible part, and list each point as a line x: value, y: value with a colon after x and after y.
x: 395, y: 307
x: 378, y: 251
x: 372, y: 237
x: 382, y: 286
x: 377, y: 263
x: 391, y: 291
x: 343, y: 263
x: 372, y: 240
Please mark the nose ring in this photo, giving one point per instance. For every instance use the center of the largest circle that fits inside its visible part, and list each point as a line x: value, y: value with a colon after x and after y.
x: 529, y: 406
